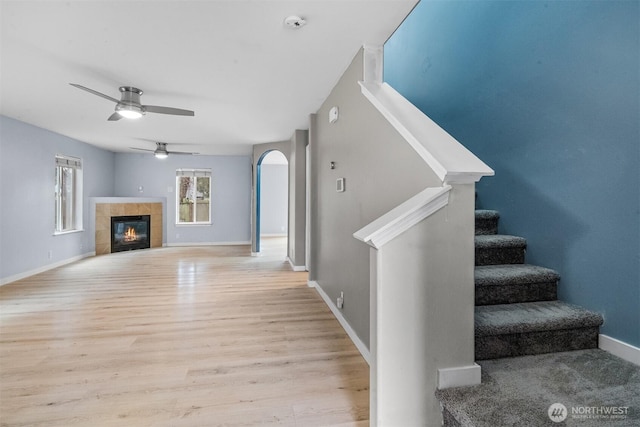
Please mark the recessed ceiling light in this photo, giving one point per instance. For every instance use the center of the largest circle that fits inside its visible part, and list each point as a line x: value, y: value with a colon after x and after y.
x: 294, y: 22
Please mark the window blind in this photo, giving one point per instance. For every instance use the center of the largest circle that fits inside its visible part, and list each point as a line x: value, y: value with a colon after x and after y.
x: 193, y: 172
x: 68, y: 162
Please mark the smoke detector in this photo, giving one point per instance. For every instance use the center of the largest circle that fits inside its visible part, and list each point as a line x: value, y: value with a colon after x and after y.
x: 294, y: 22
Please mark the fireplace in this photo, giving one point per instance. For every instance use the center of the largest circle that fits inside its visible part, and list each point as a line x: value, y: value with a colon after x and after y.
x: 130, y: 232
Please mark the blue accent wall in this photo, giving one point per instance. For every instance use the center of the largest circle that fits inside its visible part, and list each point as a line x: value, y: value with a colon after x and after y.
x: 547, y: 94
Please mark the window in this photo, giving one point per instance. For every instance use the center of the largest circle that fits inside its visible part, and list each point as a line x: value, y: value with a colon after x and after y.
x: 68, y: 194
x: 193, y: 190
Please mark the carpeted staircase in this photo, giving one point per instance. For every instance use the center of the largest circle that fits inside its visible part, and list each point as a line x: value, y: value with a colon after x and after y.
x: 534, y: 350
x: 517, y: 312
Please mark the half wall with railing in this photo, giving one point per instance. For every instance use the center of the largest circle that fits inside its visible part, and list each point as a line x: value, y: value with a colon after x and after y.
x: 421, y: 270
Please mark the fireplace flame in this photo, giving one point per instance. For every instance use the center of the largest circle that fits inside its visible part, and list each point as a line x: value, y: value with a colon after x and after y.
x: 130, y: 235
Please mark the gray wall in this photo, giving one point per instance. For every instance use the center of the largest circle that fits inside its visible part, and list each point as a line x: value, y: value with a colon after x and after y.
x: 381, y: 171
x: 230, y: 193
x: 27, y: 209
x: 273, y: 202
x: 297, y: 197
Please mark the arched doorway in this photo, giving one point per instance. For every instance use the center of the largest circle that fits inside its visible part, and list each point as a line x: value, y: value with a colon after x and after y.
x: 272, y: 207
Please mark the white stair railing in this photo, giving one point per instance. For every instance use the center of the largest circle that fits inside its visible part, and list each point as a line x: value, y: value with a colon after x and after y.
x: 422, y: 263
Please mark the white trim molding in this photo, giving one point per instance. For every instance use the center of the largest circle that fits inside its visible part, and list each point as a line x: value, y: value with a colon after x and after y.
x: 404, y: 216
x: 619, y: 348
x: 296, y: 267
x: 450, y: 160
x: 362, y: 348
x: 460, y: 376
x: 241, y: 243
x: 42, y: 269
x: 373, y: 65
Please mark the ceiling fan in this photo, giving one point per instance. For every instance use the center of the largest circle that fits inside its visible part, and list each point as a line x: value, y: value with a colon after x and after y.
x: 161, y: 151
x: 129, y: 105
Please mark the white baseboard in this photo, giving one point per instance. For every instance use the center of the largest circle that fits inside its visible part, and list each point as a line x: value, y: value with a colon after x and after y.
x: 296, y: 267
x: 619, y: 348
x: 44, y: 268
x: 362, y: 348
x: 274, y: 235
x: 461, y: 376
x: 241, y: 243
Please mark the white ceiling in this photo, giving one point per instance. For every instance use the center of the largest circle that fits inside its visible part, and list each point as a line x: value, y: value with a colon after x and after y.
x: 248, y: 78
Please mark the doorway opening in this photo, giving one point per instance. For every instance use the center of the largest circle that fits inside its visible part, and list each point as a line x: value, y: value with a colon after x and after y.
x: 272, y: 204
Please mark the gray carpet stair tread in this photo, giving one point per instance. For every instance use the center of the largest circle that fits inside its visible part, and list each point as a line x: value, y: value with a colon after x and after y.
x: 487, y: 214
x: 506, y: 274
x: 518, y: 391
x: 494, y: 241
x: 504, y: 319
x: 486, y: 222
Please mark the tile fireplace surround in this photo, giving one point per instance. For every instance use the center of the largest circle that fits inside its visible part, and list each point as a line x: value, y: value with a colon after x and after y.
x: 104, y: 212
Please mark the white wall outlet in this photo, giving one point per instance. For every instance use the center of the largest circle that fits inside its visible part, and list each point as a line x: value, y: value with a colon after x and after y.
x: 169, y: 189
x: 340, y: 185
x: 340, y: 300
x: 50, y: 254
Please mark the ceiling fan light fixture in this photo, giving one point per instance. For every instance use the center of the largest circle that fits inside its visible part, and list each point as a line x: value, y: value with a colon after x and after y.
x: 129, y: 111
x: 161, y: 152
x: 129, y: 105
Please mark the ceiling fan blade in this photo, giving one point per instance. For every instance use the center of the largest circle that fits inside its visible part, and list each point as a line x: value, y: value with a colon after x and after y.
x: 183, y: 152
x: 114, y: 117
x: 102, y: 95
x: 167, y: 110
x: 142, y: 149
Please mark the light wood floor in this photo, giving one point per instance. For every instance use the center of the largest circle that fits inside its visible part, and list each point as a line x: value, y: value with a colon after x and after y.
x: 202, y: 336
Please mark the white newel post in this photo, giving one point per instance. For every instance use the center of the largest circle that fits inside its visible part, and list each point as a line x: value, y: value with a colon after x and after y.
x: 422, y: 265
x: 422, y: 300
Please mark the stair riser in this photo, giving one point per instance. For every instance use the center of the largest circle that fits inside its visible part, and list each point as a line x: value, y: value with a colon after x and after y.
x: 495, y: 256
x: 486, y: 226
x: 522, y: 344
x: 511, y: 293
x: 448, y: 420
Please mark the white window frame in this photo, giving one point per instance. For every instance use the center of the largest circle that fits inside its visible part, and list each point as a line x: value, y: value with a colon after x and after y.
x: 198, y: 174
x: 76, y: 202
